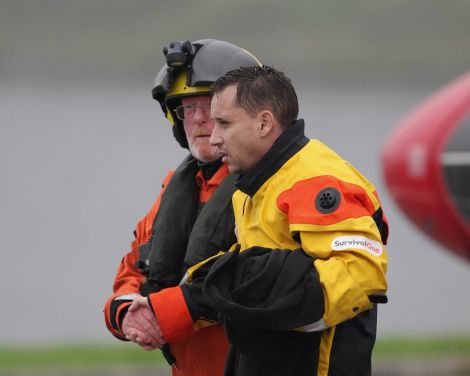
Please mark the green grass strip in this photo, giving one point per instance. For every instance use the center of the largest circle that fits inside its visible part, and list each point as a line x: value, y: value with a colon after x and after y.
x: 422, y: 347
x: 96, y: 355
x: 77, y: 355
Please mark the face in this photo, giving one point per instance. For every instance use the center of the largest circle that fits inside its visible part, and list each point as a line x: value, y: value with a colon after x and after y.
x: 236, y: 133
x: 198, y: 129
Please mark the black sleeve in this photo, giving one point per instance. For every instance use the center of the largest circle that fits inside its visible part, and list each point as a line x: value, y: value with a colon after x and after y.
x: 193, y: 293
x: 197, y: 307
x: 116, y: 322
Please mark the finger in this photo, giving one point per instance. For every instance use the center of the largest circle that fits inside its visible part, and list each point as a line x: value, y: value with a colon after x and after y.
x: 150, y: 347
x: 143, y: 338
x: 129, y: 324
x: 144, y: 321
x: 151, y: 344
x: 141, y: 300
x: 148, y: 314
x: 151, y: 334
x: 136, y: 303
x: 151, y: 327
x: 133, y: 336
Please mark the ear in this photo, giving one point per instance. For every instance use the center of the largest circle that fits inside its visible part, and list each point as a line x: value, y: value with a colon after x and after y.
x: 267, y: 123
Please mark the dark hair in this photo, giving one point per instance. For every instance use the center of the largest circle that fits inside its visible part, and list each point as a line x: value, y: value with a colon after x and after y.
x: 260, y: 88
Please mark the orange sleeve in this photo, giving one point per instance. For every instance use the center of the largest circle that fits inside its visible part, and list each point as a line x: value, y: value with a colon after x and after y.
x: 171, y: 311
x: 298, y: 202
x: 128, y: 278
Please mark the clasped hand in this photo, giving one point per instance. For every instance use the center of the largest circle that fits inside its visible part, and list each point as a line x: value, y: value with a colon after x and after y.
x: 141, y: 327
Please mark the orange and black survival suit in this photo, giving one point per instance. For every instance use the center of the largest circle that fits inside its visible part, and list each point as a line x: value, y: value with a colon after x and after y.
x: 298, y: 294
x: 191, y: 219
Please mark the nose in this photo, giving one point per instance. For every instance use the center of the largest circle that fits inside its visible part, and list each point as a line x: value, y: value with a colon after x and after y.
x: 200, y: 115
x: 216, y: 139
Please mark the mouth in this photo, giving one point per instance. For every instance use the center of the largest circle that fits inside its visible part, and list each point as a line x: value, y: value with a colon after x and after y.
x: 224, y: 157
x: 221, y: 154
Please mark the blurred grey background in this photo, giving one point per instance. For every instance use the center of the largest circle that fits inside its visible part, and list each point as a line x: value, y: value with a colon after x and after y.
x: 84, y: 148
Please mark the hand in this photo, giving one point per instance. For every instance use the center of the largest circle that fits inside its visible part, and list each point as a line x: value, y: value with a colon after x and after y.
x: 140, y: 325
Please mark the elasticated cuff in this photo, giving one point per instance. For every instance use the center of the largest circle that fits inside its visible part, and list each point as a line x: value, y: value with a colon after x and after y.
x: 171, y: 311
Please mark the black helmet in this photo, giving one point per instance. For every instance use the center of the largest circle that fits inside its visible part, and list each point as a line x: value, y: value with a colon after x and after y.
x: 190, y: 69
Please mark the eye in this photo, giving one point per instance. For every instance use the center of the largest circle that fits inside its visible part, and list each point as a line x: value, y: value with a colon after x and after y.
x: 222, y: 123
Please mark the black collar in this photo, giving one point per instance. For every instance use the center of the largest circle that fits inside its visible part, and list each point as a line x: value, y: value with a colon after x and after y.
x: 289, y: 143
x: 209, y: 168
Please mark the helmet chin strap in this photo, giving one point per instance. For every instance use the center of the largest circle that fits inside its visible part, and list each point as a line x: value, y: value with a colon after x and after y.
x: 180, y: 136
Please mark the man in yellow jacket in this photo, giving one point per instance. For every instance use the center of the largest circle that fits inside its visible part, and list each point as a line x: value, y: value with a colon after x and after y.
x: 298, y: 294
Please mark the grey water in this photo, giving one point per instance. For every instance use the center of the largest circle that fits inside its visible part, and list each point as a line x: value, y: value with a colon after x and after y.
x: 80, y: 165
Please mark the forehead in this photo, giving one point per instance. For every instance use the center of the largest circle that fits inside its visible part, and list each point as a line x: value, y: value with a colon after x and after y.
x: 225, y: 97
x: 197, y: 99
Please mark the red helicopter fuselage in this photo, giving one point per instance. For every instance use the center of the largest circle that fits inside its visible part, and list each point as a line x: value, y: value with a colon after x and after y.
x: 426, y: 164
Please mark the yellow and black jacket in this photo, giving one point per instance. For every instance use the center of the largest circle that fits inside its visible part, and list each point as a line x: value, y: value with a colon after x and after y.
x: 302, y: 196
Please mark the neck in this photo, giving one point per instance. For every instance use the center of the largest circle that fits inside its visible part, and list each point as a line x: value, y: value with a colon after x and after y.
x: 209, y: 168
